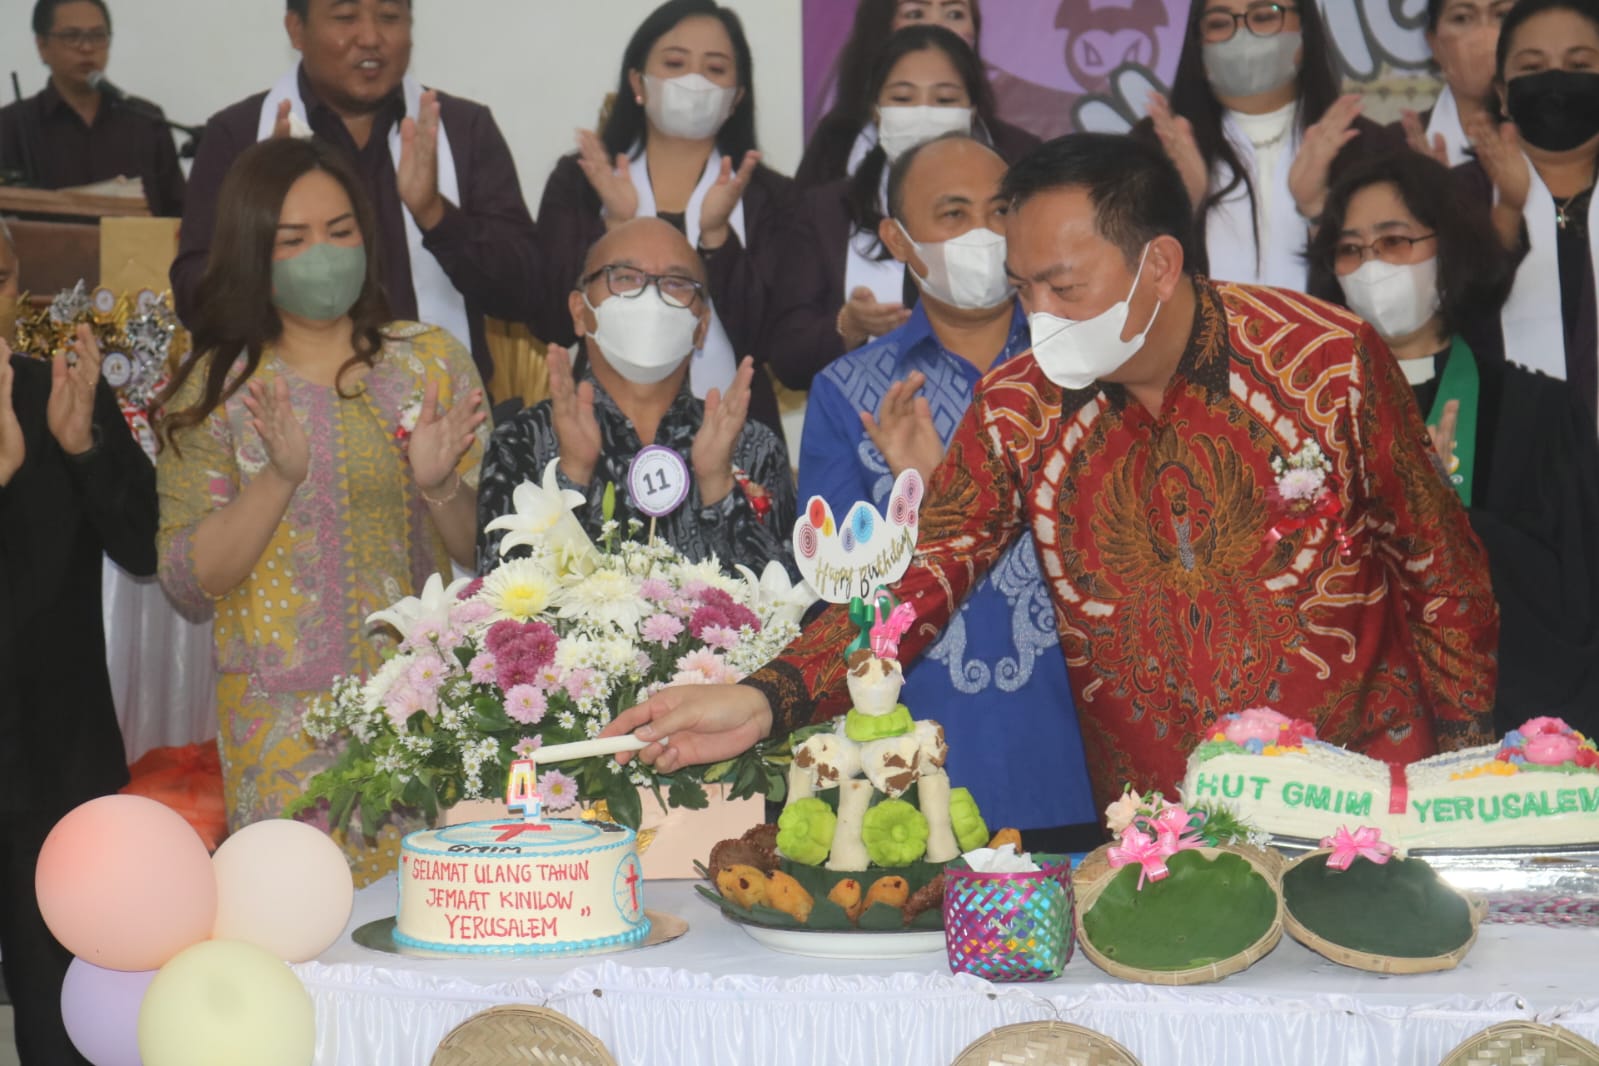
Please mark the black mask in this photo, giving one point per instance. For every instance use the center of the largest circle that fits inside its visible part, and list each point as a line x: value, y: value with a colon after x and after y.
x: 1555, y: 110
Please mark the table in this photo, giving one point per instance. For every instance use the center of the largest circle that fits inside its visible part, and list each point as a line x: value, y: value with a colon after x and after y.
x: 717, y: 997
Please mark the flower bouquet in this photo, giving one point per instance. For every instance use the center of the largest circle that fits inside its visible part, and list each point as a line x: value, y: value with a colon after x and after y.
x: 546, y: 650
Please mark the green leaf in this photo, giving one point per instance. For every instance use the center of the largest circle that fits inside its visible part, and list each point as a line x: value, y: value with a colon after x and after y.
x: 622, y: 797
x: 490, y: 715
x: 716, y: 771
x: 608, y: 502
x: 688, y: 794
x: 370, y: 814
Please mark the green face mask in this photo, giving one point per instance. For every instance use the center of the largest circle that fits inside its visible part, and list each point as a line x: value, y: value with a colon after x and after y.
x: 321, y: 283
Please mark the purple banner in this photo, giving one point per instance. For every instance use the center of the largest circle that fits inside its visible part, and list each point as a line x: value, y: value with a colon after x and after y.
x: 1060, y: 65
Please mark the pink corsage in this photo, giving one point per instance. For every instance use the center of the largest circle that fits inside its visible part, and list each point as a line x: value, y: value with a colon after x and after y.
x: 1364, y: 843
x: 410, y: 414
x: 1138, y: 846
x: 1174, y: 831
x: 1306, y: 494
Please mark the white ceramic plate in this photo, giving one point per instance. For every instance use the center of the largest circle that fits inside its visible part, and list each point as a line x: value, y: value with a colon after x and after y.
x: 847, y: 944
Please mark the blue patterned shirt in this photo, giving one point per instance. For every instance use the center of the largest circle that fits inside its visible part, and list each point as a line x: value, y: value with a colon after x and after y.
x: 996, y: 677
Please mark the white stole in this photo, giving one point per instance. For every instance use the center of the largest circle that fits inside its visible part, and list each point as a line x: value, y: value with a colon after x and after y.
x: 1446, y: 120
x: 716, y: 363
x: 885, y: 277
x: 1230, y: 225
x: 438, y: 302
x: 865, y: 141
x: 1534, y: 329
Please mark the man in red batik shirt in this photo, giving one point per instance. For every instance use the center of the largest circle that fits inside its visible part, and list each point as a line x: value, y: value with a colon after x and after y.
x: 1229, y: 487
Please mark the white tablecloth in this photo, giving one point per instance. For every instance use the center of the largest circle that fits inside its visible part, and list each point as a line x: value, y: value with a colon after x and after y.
x: 717, y: 997
x: 162, y: 677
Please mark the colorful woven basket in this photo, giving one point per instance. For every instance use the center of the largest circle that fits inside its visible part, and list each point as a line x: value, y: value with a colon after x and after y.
x: 1010, y: 927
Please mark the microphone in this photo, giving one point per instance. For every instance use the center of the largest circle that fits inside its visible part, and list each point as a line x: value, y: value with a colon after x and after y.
x: 102, y: 85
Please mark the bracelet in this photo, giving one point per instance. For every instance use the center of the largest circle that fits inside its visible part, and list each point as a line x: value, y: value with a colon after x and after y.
x: 440, y: 503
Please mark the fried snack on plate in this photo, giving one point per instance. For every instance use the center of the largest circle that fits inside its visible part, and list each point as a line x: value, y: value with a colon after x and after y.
x: 744, y: 885
x: 785, y: 894
x: 847, y: 894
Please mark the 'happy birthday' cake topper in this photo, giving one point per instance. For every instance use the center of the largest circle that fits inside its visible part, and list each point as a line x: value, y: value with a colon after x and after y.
x: 849, y: 560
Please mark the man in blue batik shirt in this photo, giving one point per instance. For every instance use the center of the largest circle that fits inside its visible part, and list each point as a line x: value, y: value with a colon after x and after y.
x: 996, y: 679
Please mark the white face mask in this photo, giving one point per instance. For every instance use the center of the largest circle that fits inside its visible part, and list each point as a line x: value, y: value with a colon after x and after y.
x: 643, y: 338
x: 966, y: 271
x: 1247, y: 65
x: 1396, y: 298
x: 1076, y: 353
x: 692, y: 107
x: 899, y: 129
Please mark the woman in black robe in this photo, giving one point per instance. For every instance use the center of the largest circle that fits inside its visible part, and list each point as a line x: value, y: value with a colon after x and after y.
x: 1402, y: 245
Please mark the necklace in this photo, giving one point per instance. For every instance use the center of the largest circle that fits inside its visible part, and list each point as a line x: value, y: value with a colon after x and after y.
x: 1562, y: 207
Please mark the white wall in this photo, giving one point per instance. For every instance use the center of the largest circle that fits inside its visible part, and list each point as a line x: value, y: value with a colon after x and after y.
x: 544, y: 66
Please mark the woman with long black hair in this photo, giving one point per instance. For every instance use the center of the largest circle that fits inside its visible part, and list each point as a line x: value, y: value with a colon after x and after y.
x: 679, y: 144
x: 1255, y: 126
x: 841, y: 287
x: 849, y: 130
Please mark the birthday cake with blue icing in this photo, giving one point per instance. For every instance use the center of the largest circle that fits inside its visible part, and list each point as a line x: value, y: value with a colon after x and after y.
x: 524, y: 887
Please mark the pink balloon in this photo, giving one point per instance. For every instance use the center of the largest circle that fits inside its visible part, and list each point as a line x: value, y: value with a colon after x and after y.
x: 101, y: 1011
x: 125, y: 883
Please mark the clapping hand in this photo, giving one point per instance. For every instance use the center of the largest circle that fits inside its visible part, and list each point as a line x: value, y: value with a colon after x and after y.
x: 1499, y: 151
x: 612, y: 181
x: 903, y: 429
x: 417, y: 174
x: 442, y: 437
x: 577, y: 431
x: 1443, y: 438
x: 12, y: 448
x: 720, y: 427
x: 1307, y: 177
x: 282, y: 126
x: 864, y: 318
x: 1177, y: 138
x: 722, y: 198
x: 1416, y: 138
x: 272, y: 416
x: 70, y: 413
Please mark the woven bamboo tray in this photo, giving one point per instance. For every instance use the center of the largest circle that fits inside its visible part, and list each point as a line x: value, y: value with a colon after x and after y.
x: 1044, y: 1044
x: 521, y: 1036
x: 1515, y: 1043
x: 1094, y: 875
x: 1389, y: 964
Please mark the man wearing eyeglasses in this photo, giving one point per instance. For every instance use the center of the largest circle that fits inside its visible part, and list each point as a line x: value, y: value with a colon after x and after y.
x: 70, y: 134
x: 719, y: 483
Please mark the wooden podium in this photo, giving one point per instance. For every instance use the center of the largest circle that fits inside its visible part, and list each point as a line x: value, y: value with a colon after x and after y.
x: 58, y: 234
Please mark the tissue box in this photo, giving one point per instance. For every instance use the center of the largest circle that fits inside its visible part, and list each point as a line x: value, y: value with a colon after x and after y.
x: 1010, y: 927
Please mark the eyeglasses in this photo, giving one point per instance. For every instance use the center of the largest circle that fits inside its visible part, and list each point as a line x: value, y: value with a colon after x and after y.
x: 1263, y: 20
x: 629, y: 283
x: 95, y: 39
x: 1347, y: 256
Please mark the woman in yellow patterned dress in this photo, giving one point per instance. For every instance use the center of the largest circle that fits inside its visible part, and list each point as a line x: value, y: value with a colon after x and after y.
x: 318, y: 463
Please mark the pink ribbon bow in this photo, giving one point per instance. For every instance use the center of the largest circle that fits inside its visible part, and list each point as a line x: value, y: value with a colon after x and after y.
x: 887, y: 633
x: 1173, y: 833
x: 1365, y: 842
x: 1138, y: 846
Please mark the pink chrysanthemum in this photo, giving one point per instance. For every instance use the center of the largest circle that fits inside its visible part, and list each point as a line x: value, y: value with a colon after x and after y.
x: 481, y: 668
x: 525, y: 704
x: 722, y: 638
x: 661, y: 629
x: 655, y: 589
x: 426, y: 673
x: 526, y: 746
x: 580, y: 684
x: 558, y: 791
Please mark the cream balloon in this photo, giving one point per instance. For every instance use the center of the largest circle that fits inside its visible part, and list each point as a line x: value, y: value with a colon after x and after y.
x: 222, y: 1001
x: 283, y: 886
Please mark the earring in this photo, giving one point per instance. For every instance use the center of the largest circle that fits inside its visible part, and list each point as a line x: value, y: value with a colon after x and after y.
x: 639, y: 100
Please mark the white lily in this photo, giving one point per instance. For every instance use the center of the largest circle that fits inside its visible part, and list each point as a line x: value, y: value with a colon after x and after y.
x: 543, y: 516
x: 422, y: 615
x: 773, y: 595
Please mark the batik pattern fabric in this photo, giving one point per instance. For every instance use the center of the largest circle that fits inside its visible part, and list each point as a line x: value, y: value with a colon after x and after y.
x: 750, y: 526
x: 995, y: 678
x: 356, y: 538
x: 1183, y: 591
